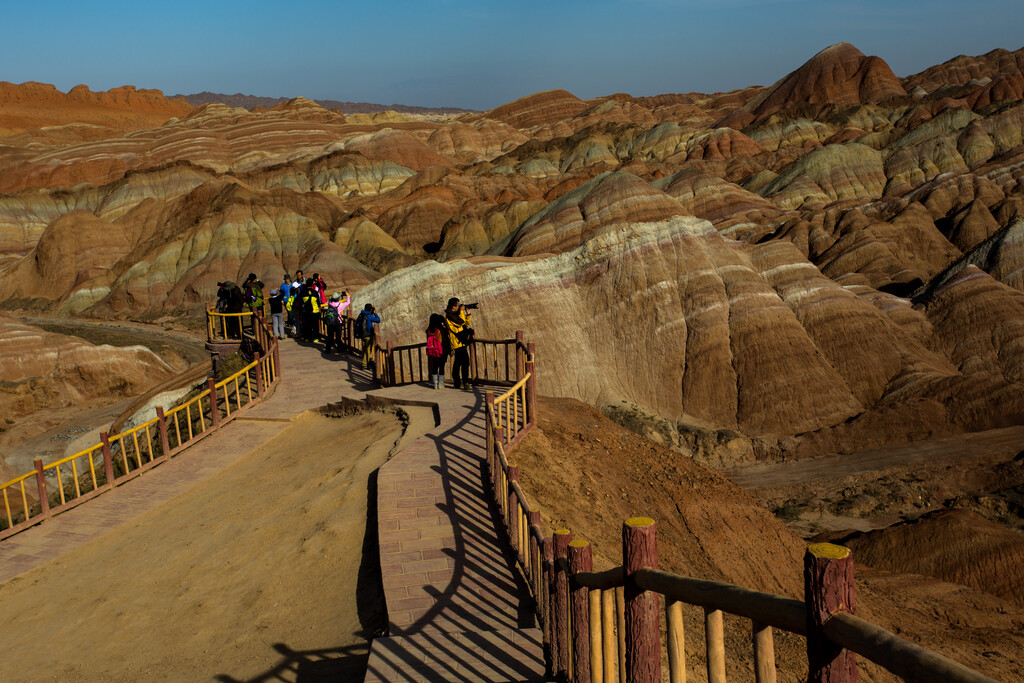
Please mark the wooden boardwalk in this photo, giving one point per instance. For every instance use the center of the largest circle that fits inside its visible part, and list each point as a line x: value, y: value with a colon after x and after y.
x: 457, y: 608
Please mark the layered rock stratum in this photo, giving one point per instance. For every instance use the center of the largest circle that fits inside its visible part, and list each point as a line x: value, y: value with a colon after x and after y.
x: 827, y: 263
x: 40, y: 369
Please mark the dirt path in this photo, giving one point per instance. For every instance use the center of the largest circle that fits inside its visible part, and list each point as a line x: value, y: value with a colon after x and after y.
x: 997, y: 445
x: 265, y: 560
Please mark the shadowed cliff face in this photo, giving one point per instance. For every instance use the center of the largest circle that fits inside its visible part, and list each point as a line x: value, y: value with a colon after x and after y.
x: 832, y: 259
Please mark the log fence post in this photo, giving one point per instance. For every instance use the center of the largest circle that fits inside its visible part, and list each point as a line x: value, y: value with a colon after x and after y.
x: 277, y: 362
x: 259, y: 376
x: 108, y: 459
x: 764, y: 653
x: 488, y: 428
x: 676, y: 644
x: 44, y: 498
x: 548, y: 579
x: 828, y: 590
x: 520, y: 358
x: 580, y: 560
x: 536, y: 560
x: 161, y: 421
x: 512, y: 514
x: 643, y: 629
x: 560, y: 600
x: 714, y: 643
x: 531, y: 389
x: 608, y: 641
x: 214, y: 410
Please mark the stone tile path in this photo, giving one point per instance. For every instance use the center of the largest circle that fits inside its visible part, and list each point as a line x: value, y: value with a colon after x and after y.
x: 457, y: 608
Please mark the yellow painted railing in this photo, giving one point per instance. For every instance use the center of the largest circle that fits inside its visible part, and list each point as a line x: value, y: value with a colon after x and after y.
x: 28, y: 499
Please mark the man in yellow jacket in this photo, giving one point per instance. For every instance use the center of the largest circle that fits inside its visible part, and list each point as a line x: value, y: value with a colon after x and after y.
x: 460, y: 335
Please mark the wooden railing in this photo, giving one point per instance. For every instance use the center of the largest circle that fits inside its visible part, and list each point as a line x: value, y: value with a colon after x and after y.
x: 605, y: 626
x: 28, y: 499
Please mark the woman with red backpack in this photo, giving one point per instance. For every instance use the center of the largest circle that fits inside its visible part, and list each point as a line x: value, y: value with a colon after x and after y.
x: 437, y: 349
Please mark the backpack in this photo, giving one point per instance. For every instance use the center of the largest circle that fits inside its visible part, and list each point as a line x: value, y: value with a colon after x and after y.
x: 435, y: 349
x: 331, y: 316
x: 359, y: 330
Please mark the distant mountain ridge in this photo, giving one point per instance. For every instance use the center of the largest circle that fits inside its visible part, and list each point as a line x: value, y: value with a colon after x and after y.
x: 251, y: 101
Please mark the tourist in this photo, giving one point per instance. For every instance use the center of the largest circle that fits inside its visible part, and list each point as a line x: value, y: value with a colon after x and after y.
x: 286, y: 288
x: 437, y: 349
x: 310, y: 307
x: 333, y: 313
x: 460, y: 335
x: 366, y: 329
x: 321, y: 288
x: 234, y: 305
x: 277, y: 312
x: 222, y: 298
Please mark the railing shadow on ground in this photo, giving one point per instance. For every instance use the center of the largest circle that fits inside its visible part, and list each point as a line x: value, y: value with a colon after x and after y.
x: 467, y: 609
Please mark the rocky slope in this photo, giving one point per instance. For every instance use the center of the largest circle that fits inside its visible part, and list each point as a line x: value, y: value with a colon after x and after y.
x: 40, y: 369
x: 826, y: 263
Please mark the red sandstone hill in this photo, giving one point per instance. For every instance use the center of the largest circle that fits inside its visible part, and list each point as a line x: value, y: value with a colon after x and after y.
x: 839, y: 75
x: 34, y: 105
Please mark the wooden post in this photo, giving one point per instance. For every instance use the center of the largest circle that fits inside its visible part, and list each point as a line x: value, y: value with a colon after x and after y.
x: 277, y: 361
x: 620, y: 626
x: 499, y: 472
x: 608, y: 641
x: 643, y: 629
x: 390, y: 376
x: 520, y: 358
x: 764, y: 653
x: 214, y: 410
x: 108, y: 460
x: 535, y: 556
x: 259, y: 375
x: 560, y: 603
x: 474, y: 371
x: 580, y: 560
x: 828, y: 589
x: 596, y: 666
x: 714, y: 642
x: 676, y: 648
x: 511, y: 513
x: 488, y: 428
x: 548, y: 579
x: 531, y: 393
x: 165, y: 444
x: 44, y: 498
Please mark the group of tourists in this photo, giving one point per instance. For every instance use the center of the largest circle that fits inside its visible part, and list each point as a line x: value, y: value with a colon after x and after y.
x: 300, y: 305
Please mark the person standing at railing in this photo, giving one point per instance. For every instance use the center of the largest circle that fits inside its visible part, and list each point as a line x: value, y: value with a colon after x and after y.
x: 286, y: 286
x: 309, y: 304
x: 234, y: 305
x: 437, y: 349
x: 333, y: 313
x: 277, y: 312
x: 366, y: 329
x: 460, y: 334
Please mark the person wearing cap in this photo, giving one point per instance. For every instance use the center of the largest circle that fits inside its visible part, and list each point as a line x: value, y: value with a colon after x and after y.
x: 277, y: 312
x: 333, y: 313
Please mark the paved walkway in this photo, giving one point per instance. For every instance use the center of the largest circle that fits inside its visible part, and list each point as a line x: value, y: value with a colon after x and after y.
x: 457, y: 608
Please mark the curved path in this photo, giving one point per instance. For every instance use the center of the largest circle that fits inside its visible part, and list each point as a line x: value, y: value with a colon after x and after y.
x: 458, y: 610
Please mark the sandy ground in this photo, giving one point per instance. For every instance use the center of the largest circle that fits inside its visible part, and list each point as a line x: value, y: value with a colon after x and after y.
x: 258, y: 570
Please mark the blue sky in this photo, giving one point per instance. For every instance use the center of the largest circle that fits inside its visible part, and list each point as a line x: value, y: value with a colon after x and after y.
x: 476, y: 54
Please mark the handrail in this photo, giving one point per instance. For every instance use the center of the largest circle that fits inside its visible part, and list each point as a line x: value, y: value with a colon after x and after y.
x: 134, y: 451
x: 901, y: 657
x: 567, y: 592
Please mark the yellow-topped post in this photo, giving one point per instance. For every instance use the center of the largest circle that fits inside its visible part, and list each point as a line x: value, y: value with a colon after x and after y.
x: 828, y: 590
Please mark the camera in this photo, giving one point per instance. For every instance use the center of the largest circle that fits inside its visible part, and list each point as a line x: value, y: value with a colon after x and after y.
x: 470, y: 307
